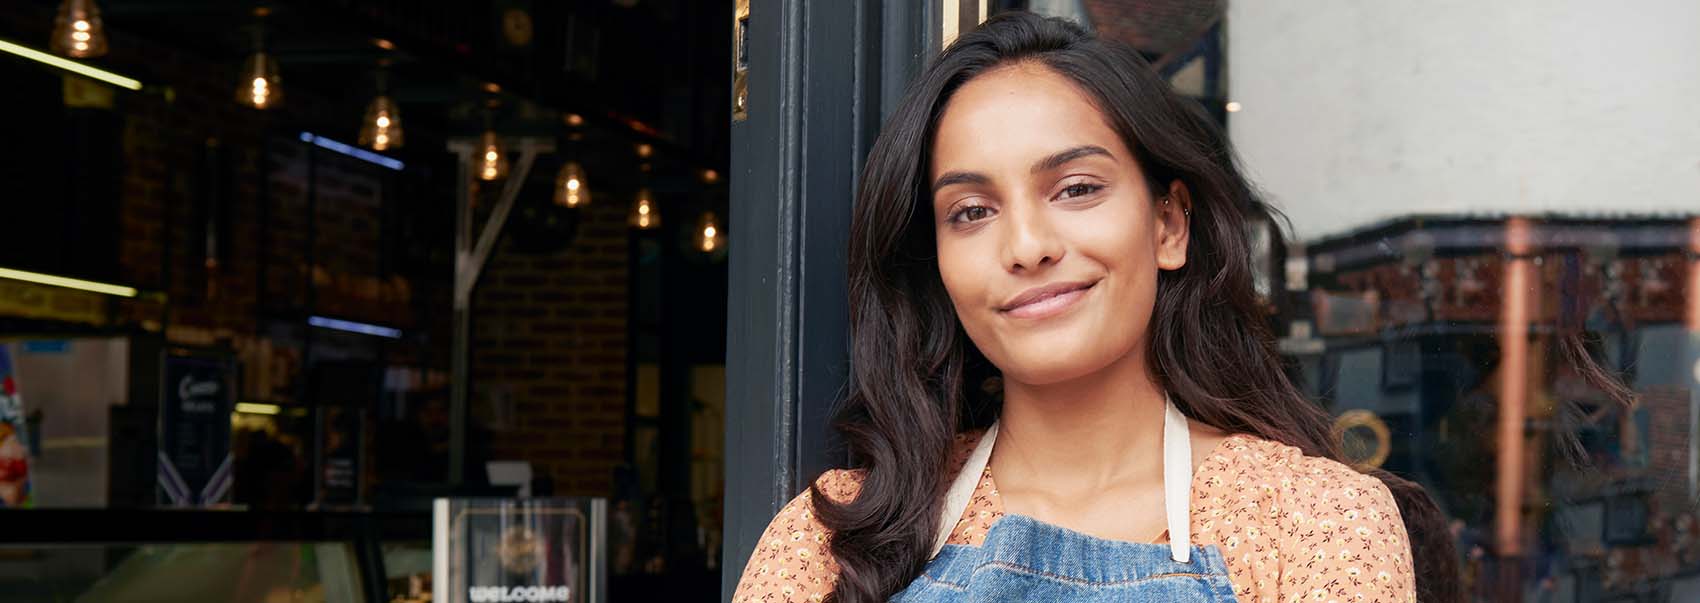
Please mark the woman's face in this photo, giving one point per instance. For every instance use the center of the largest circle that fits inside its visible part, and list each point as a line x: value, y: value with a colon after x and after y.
x: 1049, y: 239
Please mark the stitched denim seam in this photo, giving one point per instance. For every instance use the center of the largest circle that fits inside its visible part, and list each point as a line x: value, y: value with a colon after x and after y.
x: 1022, y: 569
x: 946, y: 584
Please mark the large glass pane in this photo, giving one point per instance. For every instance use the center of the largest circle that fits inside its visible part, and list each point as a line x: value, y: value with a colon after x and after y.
x: 269, y: 572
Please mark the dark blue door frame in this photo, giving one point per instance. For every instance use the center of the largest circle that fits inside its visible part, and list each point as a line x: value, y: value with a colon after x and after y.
x: 821, y: 75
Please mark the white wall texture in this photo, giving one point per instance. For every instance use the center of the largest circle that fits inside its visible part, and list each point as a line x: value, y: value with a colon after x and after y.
x: 1354, y: 112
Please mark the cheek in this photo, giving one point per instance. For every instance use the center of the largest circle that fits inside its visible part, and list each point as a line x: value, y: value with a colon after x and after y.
x: 1122, y: 245
x: 1117, y: 236
x: 962, y: 270
x: 967, y: 268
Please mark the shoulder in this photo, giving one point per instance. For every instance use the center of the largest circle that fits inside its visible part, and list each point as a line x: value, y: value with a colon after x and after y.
x: 1297, y: 492
x: 1246, y: 466
x: 1329, y: 527
x: 792, y: 561
x: 839, y: 485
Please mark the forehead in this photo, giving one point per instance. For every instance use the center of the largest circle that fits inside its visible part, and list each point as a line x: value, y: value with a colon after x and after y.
x: 1013, y: 115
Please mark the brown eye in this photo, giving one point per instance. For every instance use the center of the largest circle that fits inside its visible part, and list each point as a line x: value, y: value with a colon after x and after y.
x: 1079, y: 190
x: 972, y: 213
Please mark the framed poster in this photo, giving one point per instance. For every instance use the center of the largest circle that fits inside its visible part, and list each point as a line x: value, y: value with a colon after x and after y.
x: 539, y: 550
x: 195, y: 466
x: 14, y: 439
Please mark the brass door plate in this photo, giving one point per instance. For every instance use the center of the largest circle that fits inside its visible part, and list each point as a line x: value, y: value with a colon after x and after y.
x: 741, y: 61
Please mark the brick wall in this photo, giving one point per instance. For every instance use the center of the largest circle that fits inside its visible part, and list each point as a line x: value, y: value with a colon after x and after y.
x: 550, y: 347
x: 551, y: 328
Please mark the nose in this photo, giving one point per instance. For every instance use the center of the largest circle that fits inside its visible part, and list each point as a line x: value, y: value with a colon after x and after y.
x: 1030, y: 241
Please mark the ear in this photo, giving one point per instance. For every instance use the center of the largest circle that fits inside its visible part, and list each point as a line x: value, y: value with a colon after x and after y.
x: 1174, y: 221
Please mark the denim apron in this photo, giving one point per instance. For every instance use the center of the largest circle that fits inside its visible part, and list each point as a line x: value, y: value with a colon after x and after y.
x: 1023, y: 559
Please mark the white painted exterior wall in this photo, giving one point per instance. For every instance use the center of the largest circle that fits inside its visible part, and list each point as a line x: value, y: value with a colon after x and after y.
x: 1354, y: 112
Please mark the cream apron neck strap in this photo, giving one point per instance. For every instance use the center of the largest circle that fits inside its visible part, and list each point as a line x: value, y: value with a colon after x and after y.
x: 1177, y: 484
x: 1177, y: 480
x: 961, y: 490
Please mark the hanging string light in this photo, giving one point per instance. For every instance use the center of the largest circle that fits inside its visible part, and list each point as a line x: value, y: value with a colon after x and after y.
x: 644, y: 215
x: 709, y: 236
x: 492, y: 162
x: 77, y: 31
x: 260, y: 86
x: 571, y: 190
x: 381, y: 128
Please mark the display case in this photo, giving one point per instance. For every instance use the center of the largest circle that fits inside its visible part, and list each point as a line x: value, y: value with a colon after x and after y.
x: 143, y: 556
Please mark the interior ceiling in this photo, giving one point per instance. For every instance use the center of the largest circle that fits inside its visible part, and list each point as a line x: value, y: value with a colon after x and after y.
x: 595, y: 58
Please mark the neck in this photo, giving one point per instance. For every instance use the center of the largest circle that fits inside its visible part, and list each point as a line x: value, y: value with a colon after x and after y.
x: 1084, y: 432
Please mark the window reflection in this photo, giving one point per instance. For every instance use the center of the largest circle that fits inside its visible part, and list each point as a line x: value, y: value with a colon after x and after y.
x: 1536, y: 375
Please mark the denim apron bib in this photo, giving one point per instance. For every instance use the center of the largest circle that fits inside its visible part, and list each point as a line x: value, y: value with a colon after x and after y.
x: 1023, y: 559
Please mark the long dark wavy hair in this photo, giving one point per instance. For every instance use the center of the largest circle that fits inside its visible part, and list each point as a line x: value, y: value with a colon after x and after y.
x: 914, y: 377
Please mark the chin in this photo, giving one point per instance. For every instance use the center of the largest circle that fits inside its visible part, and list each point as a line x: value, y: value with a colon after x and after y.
x: 1036, y: 365
x: 1062, y: 354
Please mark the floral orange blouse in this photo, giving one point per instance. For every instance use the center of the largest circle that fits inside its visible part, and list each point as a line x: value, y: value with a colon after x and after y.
x: 1291, y: 528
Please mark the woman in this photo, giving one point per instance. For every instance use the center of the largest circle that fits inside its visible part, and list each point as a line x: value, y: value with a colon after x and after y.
x: 1043, y: 205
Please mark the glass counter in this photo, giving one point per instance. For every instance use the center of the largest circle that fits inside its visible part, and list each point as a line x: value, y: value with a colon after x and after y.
x: 141, y: 556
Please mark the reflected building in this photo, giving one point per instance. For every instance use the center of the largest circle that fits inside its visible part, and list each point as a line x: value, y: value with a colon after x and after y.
x: 1493, y: 279
x: 1458, y: 352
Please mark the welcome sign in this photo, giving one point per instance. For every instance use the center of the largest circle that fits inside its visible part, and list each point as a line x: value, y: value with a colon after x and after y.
x: 546, y: 550
x: 520, y: 594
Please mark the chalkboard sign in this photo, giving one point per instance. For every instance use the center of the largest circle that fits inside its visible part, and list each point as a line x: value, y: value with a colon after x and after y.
x: 341, y: 435
x: 195, y: 464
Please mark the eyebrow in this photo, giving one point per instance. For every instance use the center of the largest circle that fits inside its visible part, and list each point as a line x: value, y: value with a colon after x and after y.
x: 1057, y: 160
x: 1051, y: 162
x: 950, y: 178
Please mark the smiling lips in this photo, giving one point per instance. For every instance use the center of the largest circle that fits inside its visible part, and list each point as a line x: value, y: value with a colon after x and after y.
x: 1046, y: 300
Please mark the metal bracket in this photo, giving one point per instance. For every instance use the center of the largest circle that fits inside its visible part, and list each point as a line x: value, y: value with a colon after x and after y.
x: 470, y: 257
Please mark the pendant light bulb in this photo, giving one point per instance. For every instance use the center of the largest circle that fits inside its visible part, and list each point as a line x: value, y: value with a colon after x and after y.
x: 571, y: 189
x: 709, y: 235
x: 492, y: 163
x: 260, y: 86
x: 381, y: 128
x: 644, y: 215
x: 77, y: 31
